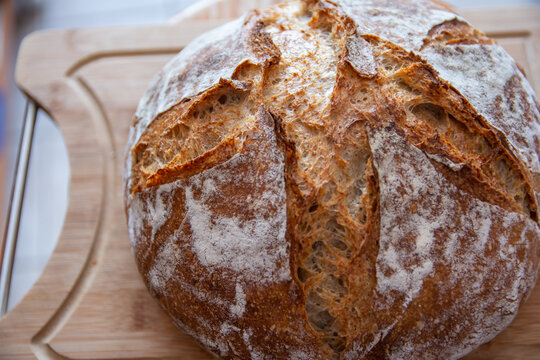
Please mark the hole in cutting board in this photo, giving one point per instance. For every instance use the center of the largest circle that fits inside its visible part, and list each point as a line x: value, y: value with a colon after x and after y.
x: 44, y: 207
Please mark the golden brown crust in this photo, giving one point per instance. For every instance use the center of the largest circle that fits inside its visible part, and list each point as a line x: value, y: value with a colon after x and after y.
x: 310, y: 183
x: 205, y: 302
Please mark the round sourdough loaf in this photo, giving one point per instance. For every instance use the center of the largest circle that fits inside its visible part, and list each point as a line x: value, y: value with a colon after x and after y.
x: 338, y: 180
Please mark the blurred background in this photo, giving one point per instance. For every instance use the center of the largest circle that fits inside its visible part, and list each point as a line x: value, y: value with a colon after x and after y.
x: 45, y: 200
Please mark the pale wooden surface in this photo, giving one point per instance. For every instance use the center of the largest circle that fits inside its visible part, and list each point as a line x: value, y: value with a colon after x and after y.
x: 90, y: 301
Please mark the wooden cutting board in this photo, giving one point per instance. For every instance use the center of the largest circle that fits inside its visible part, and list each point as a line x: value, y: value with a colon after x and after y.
x: 90, y: 301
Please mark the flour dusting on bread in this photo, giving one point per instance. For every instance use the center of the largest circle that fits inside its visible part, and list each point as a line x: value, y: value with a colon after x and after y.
x: 402, y: 23
x: 169, y: 86
x: 490, y: 80
x: 422, y: 213
x: 247, y: 246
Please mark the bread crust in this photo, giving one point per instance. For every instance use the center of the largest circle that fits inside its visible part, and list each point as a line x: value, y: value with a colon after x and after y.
x: 338, y: 179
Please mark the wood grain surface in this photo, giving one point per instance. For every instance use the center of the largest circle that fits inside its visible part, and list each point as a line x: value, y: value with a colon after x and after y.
x: 90, y: 301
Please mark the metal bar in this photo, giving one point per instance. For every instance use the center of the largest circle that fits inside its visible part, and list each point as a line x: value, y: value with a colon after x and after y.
x: 16, y: 202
